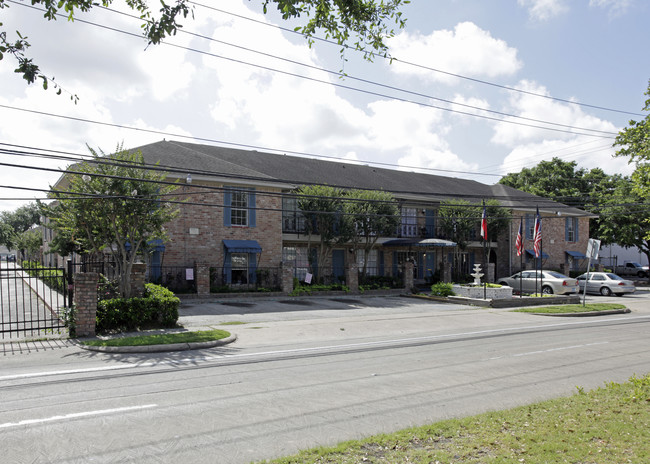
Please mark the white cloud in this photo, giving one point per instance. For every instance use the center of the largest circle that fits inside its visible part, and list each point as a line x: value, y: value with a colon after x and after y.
x: 614, y: 7
x: 586, y: 152
x: 565, y: 116
x: 542, y: 10
x: 466, y: 50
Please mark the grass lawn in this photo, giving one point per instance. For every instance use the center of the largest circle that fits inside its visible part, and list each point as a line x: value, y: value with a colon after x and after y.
x: 162, y: 339
x: 571, y: 308
x: 608, y: 425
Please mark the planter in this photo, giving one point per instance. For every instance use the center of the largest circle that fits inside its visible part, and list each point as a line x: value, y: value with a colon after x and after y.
x: 490, y: 293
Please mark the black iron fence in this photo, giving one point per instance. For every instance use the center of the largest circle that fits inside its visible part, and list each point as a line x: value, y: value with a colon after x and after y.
x: 33, y: 300
x: 178, y: 279
x: 245, y: 279
x: 380, y: 278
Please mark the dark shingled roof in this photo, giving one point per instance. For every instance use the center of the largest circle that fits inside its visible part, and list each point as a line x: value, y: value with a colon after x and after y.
x: 294, y: 170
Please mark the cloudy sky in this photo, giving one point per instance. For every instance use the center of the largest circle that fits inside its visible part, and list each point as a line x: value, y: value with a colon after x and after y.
x: 478, y: 88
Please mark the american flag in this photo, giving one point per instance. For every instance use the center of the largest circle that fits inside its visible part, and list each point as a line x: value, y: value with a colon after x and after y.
x: 537, y: 237
x: 519, y: 243
x: 484, y: 224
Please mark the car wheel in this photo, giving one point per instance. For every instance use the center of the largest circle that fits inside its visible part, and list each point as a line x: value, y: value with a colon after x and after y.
x: 640, y: 274
x: 546, y: 290
x: 605, y: 291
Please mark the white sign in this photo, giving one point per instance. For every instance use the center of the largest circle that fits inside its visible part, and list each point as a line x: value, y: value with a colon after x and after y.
x: 189, y: 274
x: 593, y: 248
x: 308, y: 278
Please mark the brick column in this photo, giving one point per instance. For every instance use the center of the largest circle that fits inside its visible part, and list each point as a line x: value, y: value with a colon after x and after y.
x: 286, y: 276
x: 138, y: 271
x: 352, y: 277
x: 408, y: 275
x: 202, y: 278
x: 85, y: 301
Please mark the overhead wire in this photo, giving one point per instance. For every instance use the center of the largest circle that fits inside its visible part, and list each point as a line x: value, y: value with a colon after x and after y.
x: 589, y: 132
x: 389, y: 57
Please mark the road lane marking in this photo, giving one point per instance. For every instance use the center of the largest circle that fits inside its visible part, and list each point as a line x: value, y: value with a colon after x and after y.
x: 223, y: 357
x: 550, y: 350
x: 76, y: 415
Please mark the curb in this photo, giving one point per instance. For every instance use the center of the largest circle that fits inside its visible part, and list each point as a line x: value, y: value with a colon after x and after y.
x: 159, y: 348
x: 586, y: 314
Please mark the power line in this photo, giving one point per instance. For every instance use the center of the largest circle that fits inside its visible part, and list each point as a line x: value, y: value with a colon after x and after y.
x: 590, y: 132
x: 392, y: 58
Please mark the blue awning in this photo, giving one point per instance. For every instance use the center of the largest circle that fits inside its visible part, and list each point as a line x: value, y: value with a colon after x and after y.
x: 416, y: 242
x: 576, y: 254
x: 532, y: 253
x: 242, y: 246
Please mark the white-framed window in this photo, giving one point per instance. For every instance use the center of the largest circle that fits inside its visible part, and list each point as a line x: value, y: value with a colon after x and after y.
x: 371, y: 265
x: 239, y: 208
x: 409, y: 222
x: 239, y: 268
x: 571, y: 229
x: 299, y: 257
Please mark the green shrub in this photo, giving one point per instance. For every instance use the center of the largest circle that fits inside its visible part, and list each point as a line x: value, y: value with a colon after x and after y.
x: 309, y: 289
x: 442, y: 289
x: 157, y: 308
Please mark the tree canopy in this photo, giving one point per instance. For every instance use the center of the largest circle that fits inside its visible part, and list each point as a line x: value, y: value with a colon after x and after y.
x: 15, y: 223
x: 373, y: 214
x: 634, y: 142
x: 113, y: 204
x: 360, y: 24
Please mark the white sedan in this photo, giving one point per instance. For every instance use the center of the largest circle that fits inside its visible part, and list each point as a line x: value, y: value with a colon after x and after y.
x: 606, y: 284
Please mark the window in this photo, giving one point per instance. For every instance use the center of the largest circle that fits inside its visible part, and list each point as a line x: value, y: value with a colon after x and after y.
x: 239, y: 268
x: 409, y: 222
x: 292, y: 219
x: 298, y: 257
x: 371, y: 265
x: 571, y: 229
x: 239, y: 208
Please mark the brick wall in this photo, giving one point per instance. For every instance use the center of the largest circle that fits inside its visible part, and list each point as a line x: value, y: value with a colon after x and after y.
x: 197, y: 234
x: 85, y: 301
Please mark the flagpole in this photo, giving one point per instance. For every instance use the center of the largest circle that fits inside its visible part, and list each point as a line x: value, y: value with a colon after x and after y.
x: 521, y: 255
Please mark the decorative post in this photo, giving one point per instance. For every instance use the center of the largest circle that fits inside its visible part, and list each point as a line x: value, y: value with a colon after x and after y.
x: 408, y: 275
x: 85, y: 301
x: 352, y: 277
x: 286, y: 273
x: 202, y: 278
x: 138, y: 271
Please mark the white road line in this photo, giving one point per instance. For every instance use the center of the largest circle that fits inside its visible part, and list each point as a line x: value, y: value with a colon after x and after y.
x: 312, y: 349
x: 75, y: 416
x: 550, y: 350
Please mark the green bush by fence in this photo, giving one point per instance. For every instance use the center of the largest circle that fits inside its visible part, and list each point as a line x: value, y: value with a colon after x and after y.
x: 53, y: 278
x: 157, y: 308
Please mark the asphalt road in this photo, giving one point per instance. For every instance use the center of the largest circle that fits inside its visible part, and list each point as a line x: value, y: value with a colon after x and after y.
x: 301, y: 376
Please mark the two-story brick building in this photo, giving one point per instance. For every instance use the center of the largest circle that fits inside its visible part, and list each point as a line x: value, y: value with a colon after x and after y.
x: 239, y: 216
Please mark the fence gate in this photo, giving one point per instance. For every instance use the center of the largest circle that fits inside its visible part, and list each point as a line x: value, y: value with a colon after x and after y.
x: 32, y: 301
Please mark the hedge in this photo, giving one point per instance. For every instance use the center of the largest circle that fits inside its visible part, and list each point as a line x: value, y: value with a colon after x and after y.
x: 158, y: 308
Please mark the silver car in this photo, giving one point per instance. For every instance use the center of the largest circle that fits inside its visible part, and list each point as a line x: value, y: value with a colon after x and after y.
x: 606, y: 283
x: 551, y: 282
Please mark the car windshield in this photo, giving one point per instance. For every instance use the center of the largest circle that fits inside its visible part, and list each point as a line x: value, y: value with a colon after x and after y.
x: 634, y: 264
x: 614, y: 276
x: 557, y: 275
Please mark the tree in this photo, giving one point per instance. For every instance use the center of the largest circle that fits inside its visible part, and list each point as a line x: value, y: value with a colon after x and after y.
x: 556, y: 179
x: 29, y: 243
x: 323, y: 209
x: 115, y: 204
x: 625, y: 216
x: 14, y: 223
x: 458, y: 219
x: 634, y: 141
x: 368, y: 20
x: 373, y: 214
